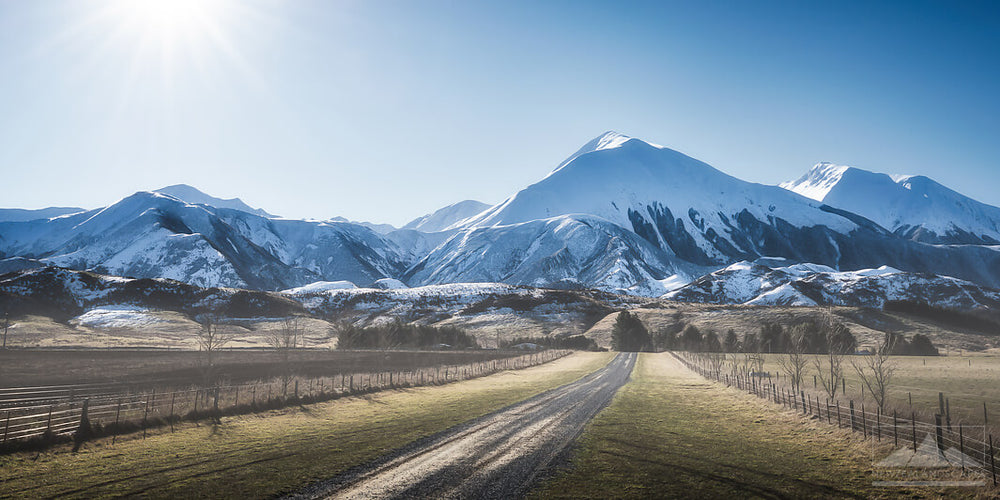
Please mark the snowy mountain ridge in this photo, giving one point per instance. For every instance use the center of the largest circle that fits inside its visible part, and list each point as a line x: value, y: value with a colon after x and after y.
x: 809, y: 285
x: 447, y: 217
x: 192, y: 195
x: 620, y: 215
x: 911, y: 206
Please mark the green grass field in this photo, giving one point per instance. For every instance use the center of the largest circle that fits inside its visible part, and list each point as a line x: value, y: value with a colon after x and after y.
x: 670, y: 433
x: 263, y: 455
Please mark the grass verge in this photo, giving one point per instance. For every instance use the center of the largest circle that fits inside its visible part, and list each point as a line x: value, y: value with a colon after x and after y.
x: 672, y: 434
x: 267, y: 454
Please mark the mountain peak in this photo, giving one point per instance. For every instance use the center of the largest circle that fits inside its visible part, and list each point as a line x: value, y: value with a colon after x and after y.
x: 444, y: 218
x: 608, y: 140
x: 191, y: 194
x: 818, y: 181
x: 909, y: 205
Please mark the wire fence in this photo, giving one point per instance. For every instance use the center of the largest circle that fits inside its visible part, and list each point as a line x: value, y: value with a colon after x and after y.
x: 53, y: 413
x: 919, y: 444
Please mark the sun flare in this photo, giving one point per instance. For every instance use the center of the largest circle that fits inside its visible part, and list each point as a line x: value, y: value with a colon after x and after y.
x: 170, y: 22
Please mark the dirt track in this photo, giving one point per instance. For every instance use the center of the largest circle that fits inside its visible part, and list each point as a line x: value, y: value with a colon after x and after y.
x: 501, y: 455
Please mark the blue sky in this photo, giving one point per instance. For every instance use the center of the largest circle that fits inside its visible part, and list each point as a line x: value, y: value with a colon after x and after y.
x: 383, y: 110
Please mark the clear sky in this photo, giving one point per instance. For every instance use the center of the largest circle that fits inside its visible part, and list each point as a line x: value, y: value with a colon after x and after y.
x: 385, y: 110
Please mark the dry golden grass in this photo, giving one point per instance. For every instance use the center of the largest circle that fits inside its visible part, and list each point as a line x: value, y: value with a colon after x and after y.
x: 264, y: 455
x: 672, y: 434
x: 967, y: 382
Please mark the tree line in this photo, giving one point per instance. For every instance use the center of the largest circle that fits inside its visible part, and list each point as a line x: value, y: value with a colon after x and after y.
x: 577, y: 342
x: 808, y: 337
x: 399, y: 335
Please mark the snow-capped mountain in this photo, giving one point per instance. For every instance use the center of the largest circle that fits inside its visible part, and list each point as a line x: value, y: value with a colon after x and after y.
x: 676, y: 203
x: 22, y: 215
x: 811, y: 284
x: 189, y: 194
x: 577, y: 251
x: 911, y: 206
x: 446, y: 217
x: 697, y: 215
x: 158, y: 236
x: 620, y: 215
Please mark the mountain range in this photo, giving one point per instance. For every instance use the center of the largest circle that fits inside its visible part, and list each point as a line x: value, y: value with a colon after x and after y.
x: 620, y: 215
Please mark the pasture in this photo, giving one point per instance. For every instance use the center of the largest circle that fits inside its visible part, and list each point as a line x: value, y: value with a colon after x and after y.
x: 268, y: 454
x: 36, y: 367
x: 967, y: 382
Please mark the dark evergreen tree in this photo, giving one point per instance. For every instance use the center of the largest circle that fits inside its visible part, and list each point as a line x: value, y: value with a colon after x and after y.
x: 841, y: 340
x: 771, y: 339
x: 691, y: 338
x: 710, y: 342
x: 922, y: 346
x: 731, y: 342
x: 629, y: 334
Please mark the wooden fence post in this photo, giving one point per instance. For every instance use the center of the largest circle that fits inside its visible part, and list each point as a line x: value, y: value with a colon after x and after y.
x: 939, y: 434
x: 173, y: 397
x: 145, y: 413
x: 878, y: 424
x: 961, y: 445
x: 864, y: 421
x: 913, y: 426
x: 895, y: 430
x: 853, y: 427
x: 993, y: 461
x: 947, y: 412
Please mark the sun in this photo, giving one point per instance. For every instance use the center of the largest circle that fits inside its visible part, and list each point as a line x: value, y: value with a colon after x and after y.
x: 168, y: 23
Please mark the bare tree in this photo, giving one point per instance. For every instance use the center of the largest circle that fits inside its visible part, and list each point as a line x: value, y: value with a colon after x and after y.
x: 284, y: 339
x: 793, y: 363
x: 830, y: 368
x: 212, y: 338
x: 734, y: 363
x: 876, y: 370
x: 755, y: 362
x: 716, y: 360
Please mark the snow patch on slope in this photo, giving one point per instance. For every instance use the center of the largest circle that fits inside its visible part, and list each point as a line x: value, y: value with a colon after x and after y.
x: 116, y: 316
x: 320, y: 287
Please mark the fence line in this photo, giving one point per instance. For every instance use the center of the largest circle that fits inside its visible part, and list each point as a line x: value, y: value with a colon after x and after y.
x: 975, y: 455
x: 55, y: 411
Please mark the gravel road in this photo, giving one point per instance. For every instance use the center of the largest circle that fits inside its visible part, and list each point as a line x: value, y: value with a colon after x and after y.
x: 500, y: 455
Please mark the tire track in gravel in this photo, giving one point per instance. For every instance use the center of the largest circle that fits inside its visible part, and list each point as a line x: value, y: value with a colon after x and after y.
x: 500, y: 455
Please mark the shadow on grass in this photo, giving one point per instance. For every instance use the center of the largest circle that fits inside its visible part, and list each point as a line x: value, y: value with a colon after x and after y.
x: 760, y: 487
